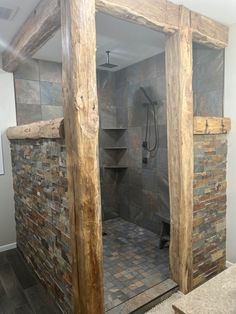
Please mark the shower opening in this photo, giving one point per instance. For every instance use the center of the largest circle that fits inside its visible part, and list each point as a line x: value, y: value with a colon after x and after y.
x: 133, y: 163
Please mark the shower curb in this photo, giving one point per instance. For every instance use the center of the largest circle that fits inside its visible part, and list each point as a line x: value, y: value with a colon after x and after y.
x: 147, y: 299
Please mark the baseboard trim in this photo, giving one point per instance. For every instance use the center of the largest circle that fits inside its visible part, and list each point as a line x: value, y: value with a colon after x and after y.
x: 8, y: 247
x: 228, y: 264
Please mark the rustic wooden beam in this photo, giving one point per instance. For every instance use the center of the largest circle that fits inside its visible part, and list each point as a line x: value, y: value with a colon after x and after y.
x: 180, y: 149
x: 209, y: 32
x: 41, y: 25
x: 159, y: 15
x: 211, y: 125
x: 163, y: 15
x: 37, y: 130
x: 81, y: 138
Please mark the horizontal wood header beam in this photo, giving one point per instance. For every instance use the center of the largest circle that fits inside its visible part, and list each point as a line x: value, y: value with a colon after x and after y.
x: 160, y: 15
x: 208, y: 31
x: 55, y: 128
x: 211, y: 125
x: 37, y: 130
x: 40, y: 26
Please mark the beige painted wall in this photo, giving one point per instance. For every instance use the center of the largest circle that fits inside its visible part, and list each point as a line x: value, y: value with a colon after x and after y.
x: 7, y: 118
x: 230, y: 111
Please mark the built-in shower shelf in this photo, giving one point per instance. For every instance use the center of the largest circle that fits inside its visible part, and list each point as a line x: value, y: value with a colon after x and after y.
x: 114, y: 129
x: 115, y: 148
x: 116, y: 167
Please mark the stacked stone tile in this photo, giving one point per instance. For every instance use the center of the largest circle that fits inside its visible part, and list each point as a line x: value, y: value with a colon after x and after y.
x: 42, y: 215
x: 209, y: 217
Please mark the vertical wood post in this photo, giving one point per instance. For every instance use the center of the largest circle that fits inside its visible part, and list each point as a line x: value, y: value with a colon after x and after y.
x: 81, y: 134
x: 180, y: 149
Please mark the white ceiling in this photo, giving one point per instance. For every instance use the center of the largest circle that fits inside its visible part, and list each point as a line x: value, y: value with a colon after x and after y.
x: 129, y: 43
x: 51, y: 51
x: 9, y: 28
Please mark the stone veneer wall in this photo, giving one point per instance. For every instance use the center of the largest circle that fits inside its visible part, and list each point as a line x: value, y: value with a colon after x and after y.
x: 42, y: 215
x: 209, y: 217
x: 38, y: 91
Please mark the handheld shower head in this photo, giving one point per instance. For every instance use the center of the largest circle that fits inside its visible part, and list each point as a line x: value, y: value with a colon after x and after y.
x: 150, y: 101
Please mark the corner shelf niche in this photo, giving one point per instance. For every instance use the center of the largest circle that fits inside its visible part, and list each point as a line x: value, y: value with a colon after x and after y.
x: 114, y: 129
x: 116, y: 148
x: 116, y: 167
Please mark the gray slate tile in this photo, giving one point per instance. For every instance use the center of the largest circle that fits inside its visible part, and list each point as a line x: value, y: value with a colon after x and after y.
x: 27, y: 92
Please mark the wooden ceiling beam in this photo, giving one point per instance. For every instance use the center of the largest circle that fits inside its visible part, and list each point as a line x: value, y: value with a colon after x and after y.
x: 208, y: 32
x: 164, y: 16
x: 160, y: 15
x: 40, y: 26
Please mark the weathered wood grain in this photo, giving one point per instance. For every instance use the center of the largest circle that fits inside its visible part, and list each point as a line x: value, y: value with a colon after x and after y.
x: 81, y: 136
x: 41, y: 25
x: 36, y: 130
x: 208, y: 31
x: 180, y: 149
x: 160, y: 15
x: 211, y: 125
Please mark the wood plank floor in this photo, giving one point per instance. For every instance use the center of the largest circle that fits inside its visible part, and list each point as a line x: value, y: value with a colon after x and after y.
x: 21, y: 291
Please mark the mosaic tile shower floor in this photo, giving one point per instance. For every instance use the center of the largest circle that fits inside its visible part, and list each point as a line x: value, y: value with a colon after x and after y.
x: 132, y: 261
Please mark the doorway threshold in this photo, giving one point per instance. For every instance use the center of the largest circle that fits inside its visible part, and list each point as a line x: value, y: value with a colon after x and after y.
x: 147, y: 299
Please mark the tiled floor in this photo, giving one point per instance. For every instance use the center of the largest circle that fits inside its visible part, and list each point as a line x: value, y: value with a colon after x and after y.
x: 133, y: 261
x: 20, y: 290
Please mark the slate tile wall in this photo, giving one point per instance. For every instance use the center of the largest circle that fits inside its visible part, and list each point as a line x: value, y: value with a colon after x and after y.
x: 148, y: 190
x: 121, y: 104
x: 42, y: 215
x: 38, y: 91
x: 146, y: 198
x: 208, y: 81
x: 209, y: 216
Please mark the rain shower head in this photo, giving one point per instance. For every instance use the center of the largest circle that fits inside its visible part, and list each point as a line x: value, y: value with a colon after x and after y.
x: 108, y: 64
